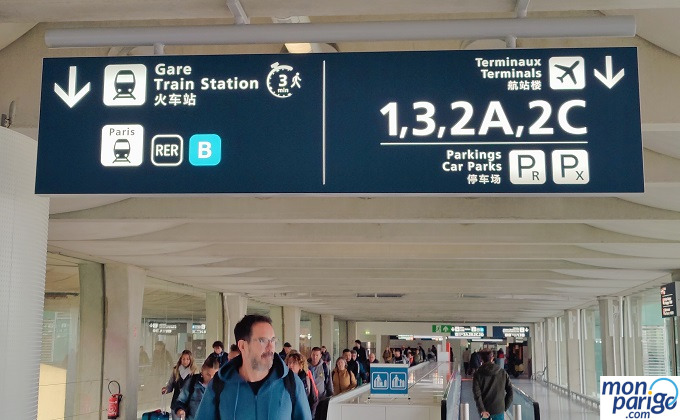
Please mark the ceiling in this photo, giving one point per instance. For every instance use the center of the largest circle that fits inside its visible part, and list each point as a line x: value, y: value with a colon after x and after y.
x: 433, y: 258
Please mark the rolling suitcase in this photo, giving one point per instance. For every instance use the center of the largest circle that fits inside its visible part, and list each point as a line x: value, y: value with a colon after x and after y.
x: 156, y: 415
x: 159, y: 414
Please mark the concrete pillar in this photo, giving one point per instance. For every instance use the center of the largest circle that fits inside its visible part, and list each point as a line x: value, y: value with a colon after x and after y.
x: 291, y: 325
x: 351, y: 333
x: 237, y: 306
x: 458, y: 347
x: 551, y: 350
x: 276, y: 314
x: 315, y: 330
x: 573, y: 355
x: 91, y: 339
x: 23, y: 248
x: 610, y: 325
x: 632, y: 342
x: 384, y: 342
x: 124, y: 298
x: 342, y: 337
x: 214, y: 320
x: 378, y: 349
x: 327, y: 331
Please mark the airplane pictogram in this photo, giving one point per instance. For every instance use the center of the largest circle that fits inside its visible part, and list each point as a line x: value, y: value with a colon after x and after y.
x: 568, y: 71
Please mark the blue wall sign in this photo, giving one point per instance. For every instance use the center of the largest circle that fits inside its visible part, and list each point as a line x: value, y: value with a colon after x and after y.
x: 389, y: 379
x: 516, y: 121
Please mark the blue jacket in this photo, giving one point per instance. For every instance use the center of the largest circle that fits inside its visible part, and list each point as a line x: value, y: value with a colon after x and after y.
x: 183, y: 402
x: 237, y: 401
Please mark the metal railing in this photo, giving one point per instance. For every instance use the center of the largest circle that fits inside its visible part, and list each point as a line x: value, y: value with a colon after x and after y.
x: 524, y: 406
x: 591, y: 402
x: 451, y: 398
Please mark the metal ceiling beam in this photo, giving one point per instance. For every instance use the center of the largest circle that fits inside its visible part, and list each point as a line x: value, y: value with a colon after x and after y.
x: 236, y: 9
x: 521, y: 8
x: 616, y: 26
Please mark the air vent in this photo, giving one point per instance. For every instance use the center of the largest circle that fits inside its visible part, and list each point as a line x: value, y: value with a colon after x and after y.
x: 380, y: 295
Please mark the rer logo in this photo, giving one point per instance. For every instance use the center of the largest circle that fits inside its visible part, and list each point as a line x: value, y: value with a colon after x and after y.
x: 166, y: 150
x: 205, y: 149
x: 638, y: 397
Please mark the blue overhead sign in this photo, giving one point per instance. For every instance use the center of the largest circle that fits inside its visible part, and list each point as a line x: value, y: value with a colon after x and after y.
x: 389, y: 379
x: 464, y: 331
x: 515, y: 121
x: 503, y: 332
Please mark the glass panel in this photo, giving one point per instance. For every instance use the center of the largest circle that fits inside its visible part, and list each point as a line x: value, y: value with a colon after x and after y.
x: 305, y: 337
x: 592, y: 350
x: 656, y: 341
x: 59, y: 384
x: 562, y: 350
x: 310, y: 332
x: 173, y: 320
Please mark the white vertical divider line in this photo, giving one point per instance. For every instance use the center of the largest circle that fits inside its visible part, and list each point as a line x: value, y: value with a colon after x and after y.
x: 323, y: 122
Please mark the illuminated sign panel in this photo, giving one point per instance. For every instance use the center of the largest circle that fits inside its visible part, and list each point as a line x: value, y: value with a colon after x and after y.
x: 669, y: 300
x: 515, y: 121
x: 520, y: 332
x: 468, y: 331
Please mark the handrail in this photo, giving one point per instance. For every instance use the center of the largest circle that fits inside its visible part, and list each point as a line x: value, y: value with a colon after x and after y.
x: 532, y: 402
x: 586, y: 400
x: 450, y: 408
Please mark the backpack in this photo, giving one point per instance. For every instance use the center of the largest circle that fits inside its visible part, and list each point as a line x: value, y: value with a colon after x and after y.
x: 311, y: 380
x: 288, y: 383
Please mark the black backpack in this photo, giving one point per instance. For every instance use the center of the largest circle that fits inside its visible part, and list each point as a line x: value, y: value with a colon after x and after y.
x: 288, y: 383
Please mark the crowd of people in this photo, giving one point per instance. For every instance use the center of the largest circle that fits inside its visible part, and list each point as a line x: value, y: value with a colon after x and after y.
x: 253, y: 381
x: 408, y: 355
x: 289, y: 384
x: 513, y: 364
x: 229, y: 383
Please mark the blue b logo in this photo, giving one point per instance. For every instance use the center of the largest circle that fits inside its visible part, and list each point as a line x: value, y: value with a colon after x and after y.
x: 205, y: 149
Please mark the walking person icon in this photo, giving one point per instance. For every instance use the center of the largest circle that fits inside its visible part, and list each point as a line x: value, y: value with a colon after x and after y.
x: 296, y: 80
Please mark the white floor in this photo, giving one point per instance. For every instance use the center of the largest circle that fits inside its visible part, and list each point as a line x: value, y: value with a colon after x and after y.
x: 555, y: 405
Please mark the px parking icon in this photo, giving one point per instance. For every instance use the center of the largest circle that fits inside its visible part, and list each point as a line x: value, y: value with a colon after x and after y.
x: 570, y: 167
x: 205, y: 149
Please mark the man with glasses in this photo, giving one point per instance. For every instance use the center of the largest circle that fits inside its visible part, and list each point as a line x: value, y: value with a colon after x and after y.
x: 255, y: 385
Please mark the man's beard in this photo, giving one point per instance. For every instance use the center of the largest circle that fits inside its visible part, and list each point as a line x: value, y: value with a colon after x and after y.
x: 263, y: 362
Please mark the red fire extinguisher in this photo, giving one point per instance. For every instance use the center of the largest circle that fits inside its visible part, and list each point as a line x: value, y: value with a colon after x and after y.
x: 114, y: 402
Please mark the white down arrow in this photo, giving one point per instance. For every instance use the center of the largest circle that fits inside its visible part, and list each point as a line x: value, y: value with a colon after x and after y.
x: 609, y: 80
x: 72, y: 97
